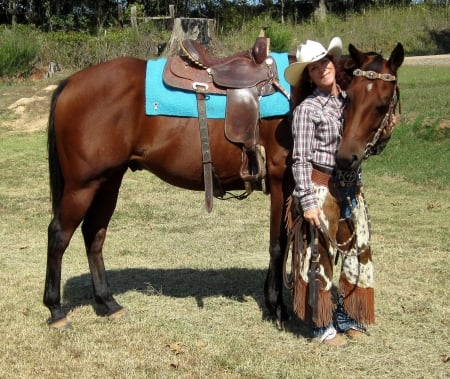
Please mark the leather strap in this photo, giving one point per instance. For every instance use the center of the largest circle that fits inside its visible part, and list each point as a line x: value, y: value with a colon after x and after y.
x: 314, y: 281
x: 321, y: 178
x: 206, y: 152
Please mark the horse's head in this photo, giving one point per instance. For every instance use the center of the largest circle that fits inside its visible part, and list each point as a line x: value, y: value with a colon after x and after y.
x: 372, y: 98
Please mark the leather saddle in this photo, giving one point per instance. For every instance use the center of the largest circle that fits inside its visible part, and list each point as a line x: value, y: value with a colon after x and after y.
x: 243, y: 77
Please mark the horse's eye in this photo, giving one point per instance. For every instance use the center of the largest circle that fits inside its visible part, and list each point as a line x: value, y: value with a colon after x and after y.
x: 382, y: 109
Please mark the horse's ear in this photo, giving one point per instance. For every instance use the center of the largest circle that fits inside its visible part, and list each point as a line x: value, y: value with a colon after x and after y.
x: 397, y: 56
x: 357, y: 56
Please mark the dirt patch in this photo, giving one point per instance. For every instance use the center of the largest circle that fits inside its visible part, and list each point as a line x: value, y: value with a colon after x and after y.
x: 29, y: 113
x: 429, y: 60
x: 444, y: 126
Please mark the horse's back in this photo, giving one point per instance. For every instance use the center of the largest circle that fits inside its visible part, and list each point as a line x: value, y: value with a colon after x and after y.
x: 105, y: 82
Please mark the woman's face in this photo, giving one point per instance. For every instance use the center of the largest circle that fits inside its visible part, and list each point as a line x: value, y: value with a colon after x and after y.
x: 323, y: 74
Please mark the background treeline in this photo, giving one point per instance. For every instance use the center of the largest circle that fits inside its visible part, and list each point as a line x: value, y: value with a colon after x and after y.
x: 76, y: 34
x: 92, y: 15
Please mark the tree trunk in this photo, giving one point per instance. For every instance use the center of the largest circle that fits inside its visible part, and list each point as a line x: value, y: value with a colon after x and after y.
x: 13, y: 11
x: 199, y: 29
x: 320, y: 12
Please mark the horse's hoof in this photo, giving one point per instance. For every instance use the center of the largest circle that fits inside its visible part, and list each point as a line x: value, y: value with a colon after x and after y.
x: 120, y: 314
x: 61, y: 324
x: 280, y: 325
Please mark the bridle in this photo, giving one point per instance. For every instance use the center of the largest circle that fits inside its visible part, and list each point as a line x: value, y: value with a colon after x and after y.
x: 371, y: 147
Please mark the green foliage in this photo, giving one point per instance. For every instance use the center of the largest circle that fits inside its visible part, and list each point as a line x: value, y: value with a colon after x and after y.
x: 422, y: 30
x: 78, y: 50
x: 62, y: 23
x: 18, y: 50
x: 280, y: 38
x: 140, y: 10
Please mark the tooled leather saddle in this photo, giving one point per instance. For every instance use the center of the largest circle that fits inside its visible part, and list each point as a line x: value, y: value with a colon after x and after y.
x: 243, y: 78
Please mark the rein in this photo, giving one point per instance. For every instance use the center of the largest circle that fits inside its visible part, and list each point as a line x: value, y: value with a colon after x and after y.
x: 370, y: 148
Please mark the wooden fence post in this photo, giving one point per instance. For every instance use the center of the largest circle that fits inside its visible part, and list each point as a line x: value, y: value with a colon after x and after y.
x: 133, y: 17
x: 201, y: 30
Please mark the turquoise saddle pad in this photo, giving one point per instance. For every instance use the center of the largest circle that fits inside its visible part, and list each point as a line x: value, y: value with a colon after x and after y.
x: 162, y: 100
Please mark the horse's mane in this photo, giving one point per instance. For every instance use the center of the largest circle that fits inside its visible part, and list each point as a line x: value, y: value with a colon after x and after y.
x: 344, y: 71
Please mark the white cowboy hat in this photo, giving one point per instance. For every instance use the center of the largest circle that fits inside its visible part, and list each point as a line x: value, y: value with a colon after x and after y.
x: 309, y: 52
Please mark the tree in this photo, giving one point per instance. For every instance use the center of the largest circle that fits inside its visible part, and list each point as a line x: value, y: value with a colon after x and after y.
x: 320, y: 11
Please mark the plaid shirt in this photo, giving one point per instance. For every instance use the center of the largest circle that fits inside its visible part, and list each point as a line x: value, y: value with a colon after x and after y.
x: 316, y: 127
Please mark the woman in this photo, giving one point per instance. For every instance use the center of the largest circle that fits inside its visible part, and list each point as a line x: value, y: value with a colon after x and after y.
x: 317, y: 126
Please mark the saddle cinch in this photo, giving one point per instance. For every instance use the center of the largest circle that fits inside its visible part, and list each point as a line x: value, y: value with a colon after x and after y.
x: 243, y: 78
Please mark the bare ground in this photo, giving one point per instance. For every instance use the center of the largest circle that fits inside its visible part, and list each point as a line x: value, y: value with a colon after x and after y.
x: 428, y: 60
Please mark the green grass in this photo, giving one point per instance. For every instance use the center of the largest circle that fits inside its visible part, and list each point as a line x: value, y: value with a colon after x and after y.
x: 419, y: 150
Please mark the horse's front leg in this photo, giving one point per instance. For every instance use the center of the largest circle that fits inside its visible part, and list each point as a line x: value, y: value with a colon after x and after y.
x: 273, y: 288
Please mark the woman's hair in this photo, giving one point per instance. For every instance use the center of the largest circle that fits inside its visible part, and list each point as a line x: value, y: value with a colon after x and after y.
x: 306, y: 86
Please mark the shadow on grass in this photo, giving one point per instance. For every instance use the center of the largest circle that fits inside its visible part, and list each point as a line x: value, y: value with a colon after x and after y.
x: 233, y: 283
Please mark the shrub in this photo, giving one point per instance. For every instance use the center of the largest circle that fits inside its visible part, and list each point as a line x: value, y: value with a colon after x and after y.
x: 280, y: 38
x: 18, y: 51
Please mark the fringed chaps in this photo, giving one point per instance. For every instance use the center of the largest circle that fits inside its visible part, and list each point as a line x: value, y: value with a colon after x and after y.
x: 303, y: 310
x: 358, y: 297
x: 359, y: 303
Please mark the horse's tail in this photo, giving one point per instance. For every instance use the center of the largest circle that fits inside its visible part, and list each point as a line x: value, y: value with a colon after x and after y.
x: 56, y: 176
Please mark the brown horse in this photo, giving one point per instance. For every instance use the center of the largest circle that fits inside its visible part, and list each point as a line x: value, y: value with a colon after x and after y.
x: 98, y: 129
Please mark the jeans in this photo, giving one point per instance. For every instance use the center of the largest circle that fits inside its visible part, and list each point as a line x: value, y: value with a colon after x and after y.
x: 341, y: 323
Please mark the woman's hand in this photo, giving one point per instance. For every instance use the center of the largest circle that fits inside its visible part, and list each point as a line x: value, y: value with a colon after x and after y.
x: 312, y: 216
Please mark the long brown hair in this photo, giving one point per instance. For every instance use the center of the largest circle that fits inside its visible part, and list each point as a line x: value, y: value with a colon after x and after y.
x: 306, y: 86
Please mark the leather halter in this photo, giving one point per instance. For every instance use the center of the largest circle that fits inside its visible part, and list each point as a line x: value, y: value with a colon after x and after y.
x: 374, y: 75
x: 370, y: 148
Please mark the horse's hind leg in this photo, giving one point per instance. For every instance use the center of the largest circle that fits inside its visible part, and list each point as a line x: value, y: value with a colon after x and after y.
x: 94, y: 232
x: 71, y: 210
x: 57, y: 244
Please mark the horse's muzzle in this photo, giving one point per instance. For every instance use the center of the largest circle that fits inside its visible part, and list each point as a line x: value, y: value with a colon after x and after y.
x: 349, y: 161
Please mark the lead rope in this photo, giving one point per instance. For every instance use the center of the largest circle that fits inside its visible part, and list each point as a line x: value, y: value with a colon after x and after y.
x: 313, y: 277
x: 278, y: 85
x: 293, y: 241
